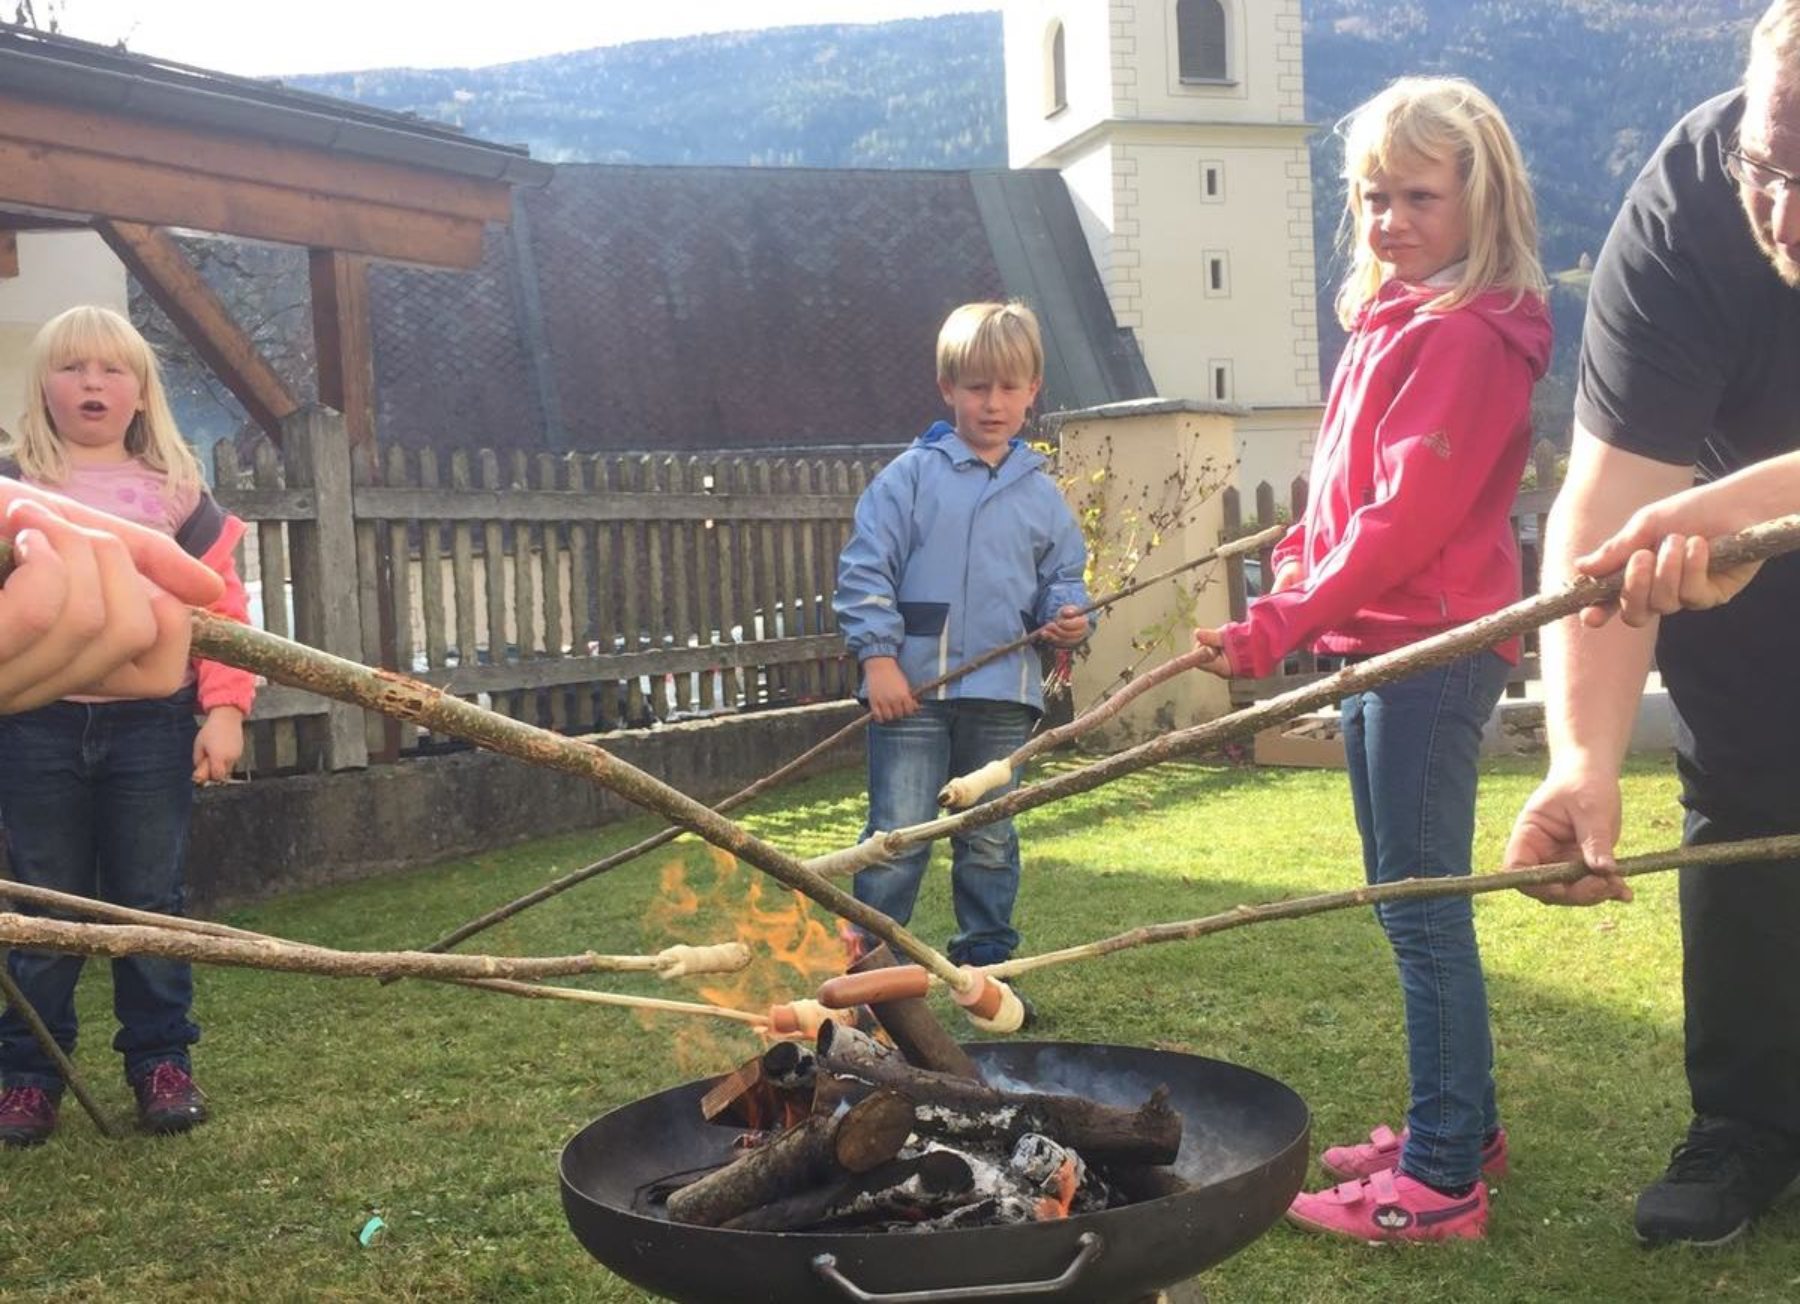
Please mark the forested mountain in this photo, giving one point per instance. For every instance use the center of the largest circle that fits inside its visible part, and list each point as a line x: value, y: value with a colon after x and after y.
x: 1590, y: 86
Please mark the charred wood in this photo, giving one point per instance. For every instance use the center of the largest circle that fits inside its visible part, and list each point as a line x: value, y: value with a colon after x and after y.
x: 918, y: 1034
x: 971, y: 1111
x: 821, y: 1147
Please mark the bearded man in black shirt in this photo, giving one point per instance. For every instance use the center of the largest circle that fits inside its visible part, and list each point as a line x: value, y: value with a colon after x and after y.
x: 1690, y: 371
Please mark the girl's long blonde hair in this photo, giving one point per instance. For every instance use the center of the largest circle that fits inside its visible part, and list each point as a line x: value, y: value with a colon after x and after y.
x: 152, y: 438
x: 1429, y: 119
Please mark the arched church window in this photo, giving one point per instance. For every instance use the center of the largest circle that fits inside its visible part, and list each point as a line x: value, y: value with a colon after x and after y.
x: 1200, y: 35
x: 1056, y: 72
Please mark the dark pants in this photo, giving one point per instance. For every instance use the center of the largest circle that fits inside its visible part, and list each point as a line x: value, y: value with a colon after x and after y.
x: 95, y: 799
x: 1740, y: 972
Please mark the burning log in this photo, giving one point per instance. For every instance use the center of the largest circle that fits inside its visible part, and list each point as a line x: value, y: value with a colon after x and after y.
x: 905, y: 1190
x: 775, y: 1088
x: 822, y: 1147
x: 957, y: 1107
x: 916, y: 1031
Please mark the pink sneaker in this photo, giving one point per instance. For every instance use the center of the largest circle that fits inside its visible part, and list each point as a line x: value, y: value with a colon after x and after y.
x: 1382, y: 1151
x: 1390, y: 1206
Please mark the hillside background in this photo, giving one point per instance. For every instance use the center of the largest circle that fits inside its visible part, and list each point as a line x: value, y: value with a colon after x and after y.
x: 1589, y: 85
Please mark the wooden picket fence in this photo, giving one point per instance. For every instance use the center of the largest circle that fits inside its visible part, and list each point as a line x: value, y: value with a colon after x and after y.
x: 578, y: 592
x: 1246, y: 580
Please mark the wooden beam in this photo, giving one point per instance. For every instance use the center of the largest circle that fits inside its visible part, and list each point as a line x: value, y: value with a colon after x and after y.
x: 9, y: 255
x: 156, y: 195
x: 14, y: 221
x: 179, y: 290
x: 340, y: 316
x: 249, y: 158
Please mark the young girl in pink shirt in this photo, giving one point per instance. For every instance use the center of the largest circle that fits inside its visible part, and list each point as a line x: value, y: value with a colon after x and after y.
x: 1407, y: 533
x: 96, y: 791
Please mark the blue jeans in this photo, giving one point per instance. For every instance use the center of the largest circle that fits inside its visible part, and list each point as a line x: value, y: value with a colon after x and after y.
x: 909, y: 761
x: 1412, y: 748
x: 95, y: 798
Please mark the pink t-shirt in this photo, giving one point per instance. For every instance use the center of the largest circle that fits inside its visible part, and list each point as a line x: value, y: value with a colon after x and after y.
x: 130, y: 490
x: 134, y: 492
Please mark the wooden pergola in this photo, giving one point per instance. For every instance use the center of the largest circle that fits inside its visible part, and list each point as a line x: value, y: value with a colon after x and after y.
x: 134, y: 146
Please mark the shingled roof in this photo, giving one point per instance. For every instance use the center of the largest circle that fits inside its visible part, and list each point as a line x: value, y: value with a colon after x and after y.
x: 688, y: 308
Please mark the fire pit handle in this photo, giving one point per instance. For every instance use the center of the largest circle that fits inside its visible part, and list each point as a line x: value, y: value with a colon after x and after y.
x: 1091, y: 1244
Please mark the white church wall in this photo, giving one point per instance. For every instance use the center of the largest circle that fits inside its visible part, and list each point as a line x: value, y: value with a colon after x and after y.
x: 1220, y: 286
x: 57, y: 270
x: 1032, y: 130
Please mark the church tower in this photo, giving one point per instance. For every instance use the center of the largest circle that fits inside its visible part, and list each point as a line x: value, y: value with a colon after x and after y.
x: 1179, y: 128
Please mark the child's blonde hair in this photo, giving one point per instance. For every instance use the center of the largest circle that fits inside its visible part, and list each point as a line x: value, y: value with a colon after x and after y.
x: 990, y: 341
x: 152, y: 438
x: 1431, y: 119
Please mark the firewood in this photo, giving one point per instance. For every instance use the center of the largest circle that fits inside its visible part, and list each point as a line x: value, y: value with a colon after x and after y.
x: 777, y: 1085
x: 815, y: 1151
x: 927, y: 1183
x: 916, y: 1031
x: 956, y: 1107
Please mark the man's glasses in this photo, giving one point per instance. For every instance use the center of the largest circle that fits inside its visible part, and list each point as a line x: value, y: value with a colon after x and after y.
x: 1760, y: 177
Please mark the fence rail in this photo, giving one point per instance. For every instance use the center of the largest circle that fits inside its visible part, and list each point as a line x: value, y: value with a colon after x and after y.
x: 1248, y: 577
x: 578, y: 592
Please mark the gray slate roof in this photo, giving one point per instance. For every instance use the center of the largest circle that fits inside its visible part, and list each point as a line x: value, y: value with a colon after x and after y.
x: 710, y: 308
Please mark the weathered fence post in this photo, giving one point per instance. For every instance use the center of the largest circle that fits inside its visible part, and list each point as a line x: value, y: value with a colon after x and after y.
x: 317, y: 451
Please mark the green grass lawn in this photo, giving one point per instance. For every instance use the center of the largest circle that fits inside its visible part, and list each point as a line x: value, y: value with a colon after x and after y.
x: 443, y: 1110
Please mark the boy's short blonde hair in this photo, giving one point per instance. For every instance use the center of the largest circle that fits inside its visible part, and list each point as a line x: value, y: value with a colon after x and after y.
x: 990, y: 341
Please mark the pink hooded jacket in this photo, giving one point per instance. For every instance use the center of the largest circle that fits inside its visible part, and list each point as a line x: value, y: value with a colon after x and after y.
x: 1425, y: 437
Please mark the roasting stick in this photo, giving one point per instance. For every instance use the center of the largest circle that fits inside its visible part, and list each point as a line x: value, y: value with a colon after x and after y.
x: 1757, y: 543
x: 910, y: 980
x: 671, y: 962
x: 774, y: 778
x: 404, y: 698
x: 965, y: 790
x: 45, y: 1040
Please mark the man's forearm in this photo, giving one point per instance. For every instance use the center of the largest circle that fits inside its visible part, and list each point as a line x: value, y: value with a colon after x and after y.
x: 1594, y: 678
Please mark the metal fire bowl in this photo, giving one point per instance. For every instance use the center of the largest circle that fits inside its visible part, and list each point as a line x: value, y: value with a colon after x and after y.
x: 1243, y: 1154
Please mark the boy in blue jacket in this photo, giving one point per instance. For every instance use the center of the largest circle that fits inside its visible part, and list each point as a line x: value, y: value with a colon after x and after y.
x: 961, y: 544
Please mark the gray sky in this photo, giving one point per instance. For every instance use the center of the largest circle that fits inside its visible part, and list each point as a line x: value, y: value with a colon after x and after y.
x: 271, y: 37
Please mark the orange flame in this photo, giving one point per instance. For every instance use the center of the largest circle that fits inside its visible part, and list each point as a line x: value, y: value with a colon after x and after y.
x: 1055, y: 1202
x: 792, y: 948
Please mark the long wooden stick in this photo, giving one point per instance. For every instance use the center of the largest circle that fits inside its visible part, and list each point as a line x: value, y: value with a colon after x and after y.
x: 40, y: 1031
x: 1757, y: 543
x: 1412, y: 889
x: 673, y: 962
x: 1749, y: 851
x: 680, y: 961
x: 42, y: 934
x: 967, y: 789
x: 774, y: 778
x: 404, y: 698
x: 541, y: 991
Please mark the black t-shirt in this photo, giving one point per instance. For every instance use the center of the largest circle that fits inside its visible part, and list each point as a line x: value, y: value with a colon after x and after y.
x: 1690, y: 354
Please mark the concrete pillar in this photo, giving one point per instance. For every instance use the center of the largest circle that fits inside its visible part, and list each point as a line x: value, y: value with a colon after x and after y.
x: 1144, y: 478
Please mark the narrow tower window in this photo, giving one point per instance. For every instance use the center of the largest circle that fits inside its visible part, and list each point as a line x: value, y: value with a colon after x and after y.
x: 1217, y: 274
x: 1056, y: 72
x: 1200, y: 35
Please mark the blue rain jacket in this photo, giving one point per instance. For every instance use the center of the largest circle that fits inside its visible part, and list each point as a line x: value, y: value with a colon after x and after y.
x: 951, y: 558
